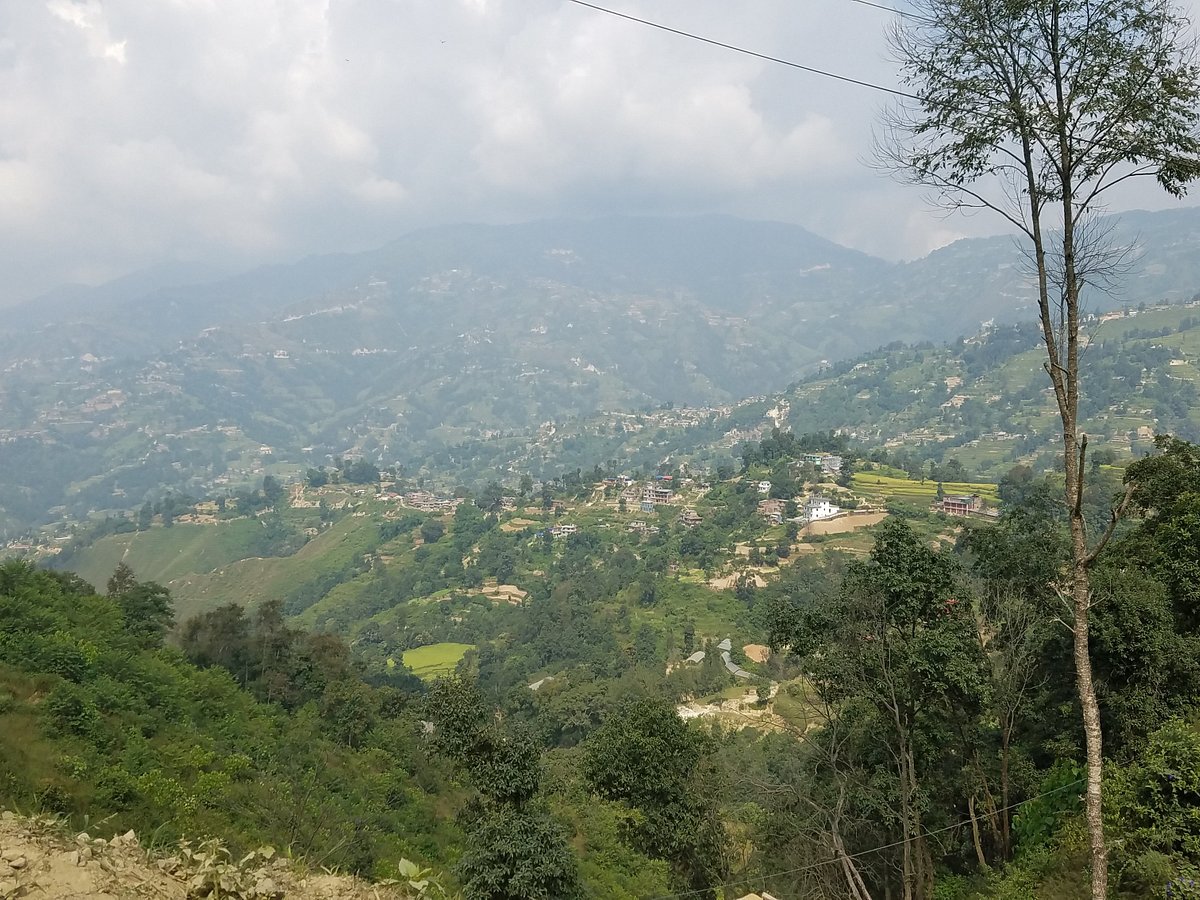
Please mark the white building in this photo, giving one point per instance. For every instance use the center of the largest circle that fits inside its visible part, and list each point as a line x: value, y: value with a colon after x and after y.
x: 764, y: 487
x: 817, y: 507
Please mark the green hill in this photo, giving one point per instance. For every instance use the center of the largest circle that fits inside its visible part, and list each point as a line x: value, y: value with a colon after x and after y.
x: 450, y: 348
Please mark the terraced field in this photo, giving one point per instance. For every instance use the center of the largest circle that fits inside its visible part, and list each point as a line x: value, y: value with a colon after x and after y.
x: 892, y: 487
x: 166, y: 554
x: 435, y: 660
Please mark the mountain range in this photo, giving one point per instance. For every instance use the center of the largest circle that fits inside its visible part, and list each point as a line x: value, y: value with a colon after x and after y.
x: 465, y: 332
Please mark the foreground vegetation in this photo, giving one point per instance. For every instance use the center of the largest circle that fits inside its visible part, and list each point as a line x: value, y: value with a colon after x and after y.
x: 920, y: 701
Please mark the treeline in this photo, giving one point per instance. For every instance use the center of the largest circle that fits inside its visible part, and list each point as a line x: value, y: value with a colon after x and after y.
x: 239, y: 725
x: 948, y: 759
x: 925, y: 741
x: 785, y: 445
x: 251, y: 731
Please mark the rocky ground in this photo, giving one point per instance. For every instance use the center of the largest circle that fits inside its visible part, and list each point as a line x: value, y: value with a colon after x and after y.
x: 40, y: 858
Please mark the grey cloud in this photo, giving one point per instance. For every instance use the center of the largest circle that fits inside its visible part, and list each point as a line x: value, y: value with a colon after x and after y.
x: 238, y: 132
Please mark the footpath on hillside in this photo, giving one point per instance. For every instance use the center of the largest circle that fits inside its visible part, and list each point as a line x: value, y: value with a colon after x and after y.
x: 40, y: 859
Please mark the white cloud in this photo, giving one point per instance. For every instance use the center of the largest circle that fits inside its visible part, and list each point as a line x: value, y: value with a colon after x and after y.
x: 235, y: 131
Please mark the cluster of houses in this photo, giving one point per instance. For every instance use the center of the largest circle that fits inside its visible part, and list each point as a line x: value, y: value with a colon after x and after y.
x: 656, y: 494
x: 640, y: 527
x: 427, y: 502
x: 824, y: 462
x: 564, y: 530
x: 816, y: 508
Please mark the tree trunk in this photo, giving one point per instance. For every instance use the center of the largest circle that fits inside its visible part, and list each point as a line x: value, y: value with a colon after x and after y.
x: 1081, y: 598
x: 1075, y: 449
x: 918, y: 864
x: 854, y: 880
x: 1005, y: 811
x: 975, y: 834
x: 906, y: 848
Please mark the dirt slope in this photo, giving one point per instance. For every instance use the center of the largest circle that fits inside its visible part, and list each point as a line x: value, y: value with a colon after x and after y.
x: 40, y: 860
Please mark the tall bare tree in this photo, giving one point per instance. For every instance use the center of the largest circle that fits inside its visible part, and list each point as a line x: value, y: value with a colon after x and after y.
x: 1035, y: 110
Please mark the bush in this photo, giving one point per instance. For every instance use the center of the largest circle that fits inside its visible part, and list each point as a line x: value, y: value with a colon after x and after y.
x: 1154, y: 804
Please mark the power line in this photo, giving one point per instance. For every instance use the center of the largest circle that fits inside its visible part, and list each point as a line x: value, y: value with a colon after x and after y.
x: 824, y: 73
x: 861, y: 853
x: 891, y: 9
x: 736, y: 49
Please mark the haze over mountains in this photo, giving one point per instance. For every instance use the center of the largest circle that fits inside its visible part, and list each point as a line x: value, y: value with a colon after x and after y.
x: 469, y: 331
x: 776, y: 275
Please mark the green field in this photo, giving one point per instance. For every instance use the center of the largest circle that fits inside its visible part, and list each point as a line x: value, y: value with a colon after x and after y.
x: 165, y: 554
x: 891, y: 487
x: 250, y: 581
x: 435, y: 660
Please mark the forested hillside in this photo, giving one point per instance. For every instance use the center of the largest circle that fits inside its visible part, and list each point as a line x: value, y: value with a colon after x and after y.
x: 919, y: 699
x: 462, y: 350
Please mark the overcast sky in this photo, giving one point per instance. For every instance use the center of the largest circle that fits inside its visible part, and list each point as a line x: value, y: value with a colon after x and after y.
x: 242, y: 131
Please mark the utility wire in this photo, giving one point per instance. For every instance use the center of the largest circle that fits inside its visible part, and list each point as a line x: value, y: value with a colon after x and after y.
x: 861, y: 853
x: 891, y: 9
x: 736, y: 49
x: 824, y: 73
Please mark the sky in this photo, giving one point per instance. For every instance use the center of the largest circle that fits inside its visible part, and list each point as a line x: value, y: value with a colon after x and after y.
x: 239, y: 132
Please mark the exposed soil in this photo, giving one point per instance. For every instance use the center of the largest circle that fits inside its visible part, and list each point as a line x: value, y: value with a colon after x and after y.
x: 760, y: 653
x: 39, y: 859
x: 740, y: 712
x: 842, y: 524
x: 729, y: 582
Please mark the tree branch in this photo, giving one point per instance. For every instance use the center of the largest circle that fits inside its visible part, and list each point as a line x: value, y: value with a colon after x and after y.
x: 1118, y: 513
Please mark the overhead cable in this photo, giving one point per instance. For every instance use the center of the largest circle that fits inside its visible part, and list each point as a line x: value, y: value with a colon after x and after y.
x: 900, y: 843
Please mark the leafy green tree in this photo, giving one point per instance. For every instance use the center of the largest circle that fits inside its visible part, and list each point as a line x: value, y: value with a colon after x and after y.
x: 1154, y: 812
x: 745, y: 589
x: 273, y: 491
x: 148, y: 611
x: 348, y: 708
x: 432, y: 530
x: 121, y: 580
x: 647, y: 592
x: 1167, y: 493
x: 517, y: 855
x: 490, y: 497
x: 645, y: 646
x: 219, y: 638
x: 1053, y: 102
x: 515, y: 849
x: 899, y: 640
x: 360, y: 472
x: 646, y: 756
x: 147, y: 607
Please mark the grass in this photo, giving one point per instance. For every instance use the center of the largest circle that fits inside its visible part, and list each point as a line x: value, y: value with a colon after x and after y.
x: 795, y: 703
x: 714, y: 614
x: 250, y: 581
x: 165, y: 554
x: 892, y: 487
x: 30, y: 763
x: 435, y: 660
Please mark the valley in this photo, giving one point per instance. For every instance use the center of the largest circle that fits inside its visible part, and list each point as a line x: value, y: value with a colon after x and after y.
x: 485, y: 352
x: 307, y: 588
